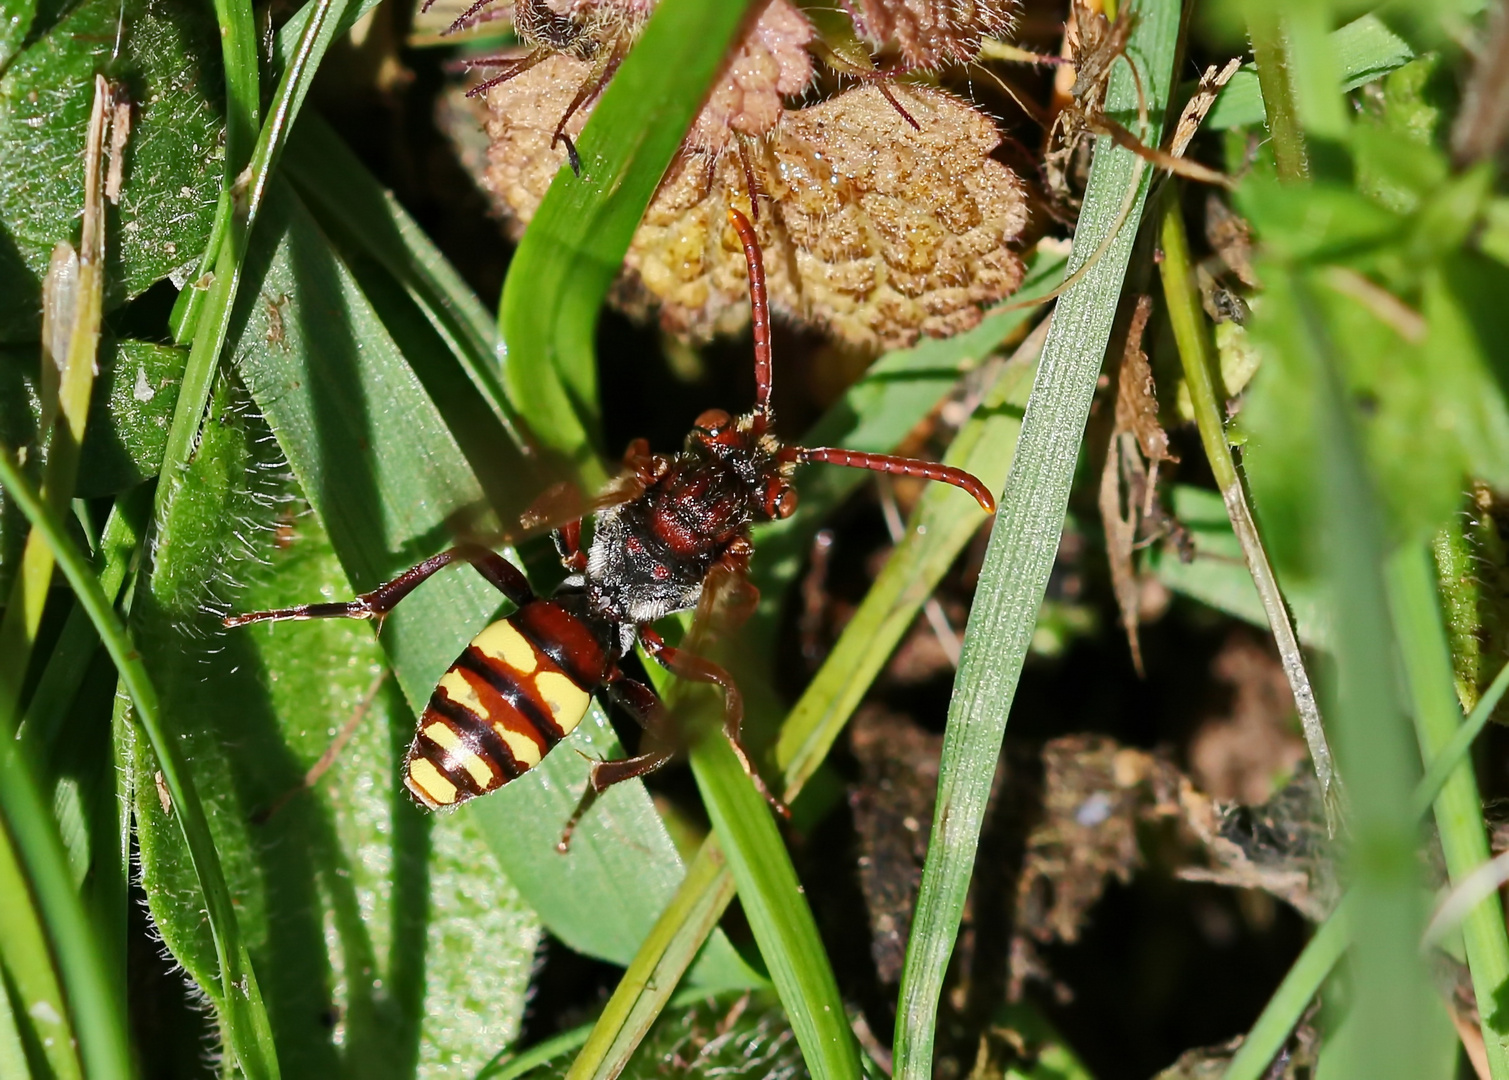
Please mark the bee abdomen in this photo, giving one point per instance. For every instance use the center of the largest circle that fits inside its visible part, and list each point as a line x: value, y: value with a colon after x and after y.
x: 499, y: 709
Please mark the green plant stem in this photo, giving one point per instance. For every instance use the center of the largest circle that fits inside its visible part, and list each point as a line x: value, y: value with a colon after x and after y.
x: 247, y: 191
x: 656, y: 969
x: 1459, y: 816
x: 243, y: 108
x: 1197, y: 355
x: 777, y: 910
x: 249, y: 1032
x: 1026, y: 536
x: 1270, y: 51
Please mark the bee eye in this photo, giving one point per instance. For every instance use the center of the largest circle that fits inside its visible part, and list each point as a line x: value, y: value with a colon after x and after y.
x: 714, y: 421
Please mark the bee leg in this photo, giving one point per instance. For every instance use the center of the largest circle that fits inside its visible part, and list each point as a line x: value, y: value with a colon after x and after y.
x: 604, y: 775
x: 383, y: 599
x: 568, y: 544
x: 263, y: 814
x: 685, y: 665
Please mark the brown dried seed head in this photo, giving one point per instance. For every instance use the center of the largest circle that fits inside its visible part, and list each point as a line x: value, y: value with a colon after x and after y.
x: 872, y: 231
x: 523, y: 113
x: 933, y: 32
x: 894, y: 232
x: 771, y: 62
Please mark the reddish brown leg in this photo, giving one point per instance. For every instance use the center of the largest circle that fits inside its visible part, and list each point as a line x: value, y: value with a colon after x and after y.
x: 568, y: 542
x: 383, y: 599
x: 588, y: 91
x: 649, y: 713
x: 327, y: 759
x: 689, y: 666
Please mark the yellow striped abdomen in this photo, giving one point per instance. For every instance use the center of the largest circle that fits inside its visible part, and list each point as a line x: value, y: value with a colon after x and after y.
x: 500, y: 708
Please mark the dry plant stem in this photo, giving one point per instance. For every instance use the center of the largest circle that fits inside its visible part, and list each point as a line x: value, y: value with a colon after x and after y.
x: 1181, y: 296
x: 75, y: 293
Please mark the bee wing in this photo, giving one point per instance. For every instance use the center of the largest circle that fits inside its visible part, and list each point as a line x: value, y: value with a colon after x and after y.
x: 562, y: 503
x: 728, y: 600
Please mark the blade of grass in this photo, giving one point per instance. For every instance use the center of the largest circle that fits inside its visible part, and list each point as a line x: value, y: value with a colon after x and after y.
x: 1459, y: 815
x: 73, y: 299
x: 939, y: 529
x: 249, y: 1033
x: 38, y: 889
x: 777, y: 910
x: 1025, y: 541
x: 655, y: 971
x: 1197, y: 355
x: 575, y: 245
x: 243, y: 109
x: 1372, y: 736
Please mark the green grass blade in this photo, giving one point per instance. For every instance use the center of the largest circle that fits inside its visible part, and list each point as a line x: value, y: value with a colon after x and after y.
x: 944, y: 522
x: 1025, y: 541
x: 243, y: 97
x: 1293, y: 996
x: 38, y: 888
x: 574, y: 247
x: 1459, y: 815
x: 777, y: 911
x: 249, y: 1033
x: 1197, y: 355
x: 1373, y: 746
x: 657, y: 967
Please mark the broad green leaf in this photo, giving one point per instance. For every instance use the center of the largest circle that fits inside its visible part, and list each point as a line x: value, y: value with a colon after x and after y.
x: 385, y: 476
x: 363, y: 915
x: 172, y: 172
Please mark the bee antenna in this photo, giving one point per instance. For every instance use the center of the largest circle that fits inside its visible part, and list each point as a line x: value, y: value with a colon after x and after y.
x: 759, y: 307
x: 900, y: 466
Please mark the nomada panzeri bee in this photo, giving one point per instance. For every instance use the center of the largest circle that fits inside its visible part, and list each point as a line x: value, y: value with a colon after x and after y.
x: 669, y: 535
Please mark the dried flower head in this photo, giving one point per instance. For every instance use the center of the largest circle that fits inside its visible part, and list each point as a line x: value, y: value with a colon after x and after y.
x: 872, y: 231
x: 893, y: 232
x: 931, y: 33
x: 769, y: 64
